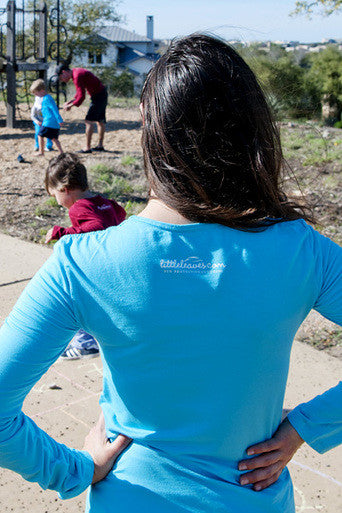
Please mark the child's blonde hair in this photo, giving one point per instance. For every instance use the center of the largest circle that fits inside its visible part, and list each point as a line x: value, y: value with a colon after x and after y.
x: 37, y: 85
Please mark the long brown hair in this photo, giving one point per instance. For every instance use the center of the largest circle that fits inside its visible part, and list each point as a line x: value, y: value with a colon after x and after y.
x: 211, y: 147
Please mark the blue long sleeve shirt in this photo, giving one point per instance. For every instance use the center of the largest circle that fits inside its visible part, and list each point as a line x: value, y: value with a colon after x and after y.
x: 51, y: 116
x: 195, y: 325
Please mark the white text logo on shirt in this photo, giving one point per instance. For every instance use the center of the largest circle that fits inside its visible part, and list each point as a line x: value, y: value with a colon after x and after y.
x: 190, y: 265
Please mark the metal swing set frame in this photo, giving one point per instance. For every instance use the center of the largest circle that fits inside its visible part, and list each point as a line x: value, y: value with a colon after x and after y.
x: 16, y: 55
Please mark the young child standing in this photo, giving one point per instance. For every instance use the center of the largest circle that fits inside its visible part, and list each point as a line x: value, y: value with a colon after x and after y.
x: 66, y: 180
x: 52, y: 120
x: 37, y: 119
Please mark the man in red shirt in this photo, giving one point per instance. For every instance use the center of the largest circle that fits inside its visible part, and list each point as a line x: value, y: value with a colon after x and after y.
x: 84, y: 81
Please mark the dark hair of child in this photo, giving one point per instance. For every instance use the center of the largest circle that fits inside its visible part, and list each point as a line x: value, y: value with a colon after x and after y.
x: 66, y: 171
x: 211, y: 147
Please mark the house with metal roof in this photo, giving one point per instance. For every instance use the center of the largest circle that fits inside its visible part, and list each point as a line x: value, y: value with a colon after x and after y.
x: 128, y: 50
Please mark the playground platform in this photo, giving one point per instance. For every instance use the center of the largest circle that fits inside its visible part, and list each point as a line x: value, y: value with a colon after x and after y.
x: 65, y: 404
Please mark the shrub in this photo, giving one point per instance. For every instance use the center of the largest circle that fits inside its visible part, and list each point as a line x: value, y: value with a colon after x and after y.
x: 119, y: 83
x: 128, y: 160
x: 284, y: 81
x: 41, y: 211
x: 52, y: 202
x: 102, y: 173
x: 118, y: 187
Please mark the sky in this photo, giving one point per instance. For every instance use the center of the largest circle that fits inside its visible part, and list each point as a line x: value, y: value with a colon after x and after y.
x: 247, y: 20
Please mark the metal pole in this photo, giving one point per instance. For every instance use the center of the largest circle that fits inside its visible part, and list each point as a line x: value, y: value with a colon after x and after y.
x: 35, y: 31
x: 58, y: 46
x: 23, y: 56
x: 11, y: 64
x: 43, y: 38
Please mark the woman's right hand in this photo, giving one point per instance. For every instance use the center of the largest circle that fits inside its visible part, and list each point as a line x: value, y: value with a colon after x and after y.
x: 103, y: 452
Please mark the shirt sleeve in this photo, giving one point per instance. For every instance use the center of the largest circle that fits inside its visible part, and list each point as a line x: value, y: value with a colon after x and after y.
x: 319, y: 421
x: 31, y: 339
x: 80, y: 91
x: 33, y: 115
x: 83, y: 218
x: 59, y: 231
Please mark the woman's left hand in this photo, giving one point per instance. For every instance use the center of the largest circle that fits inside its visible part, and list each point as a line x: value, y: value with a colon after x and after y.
x: 103, y: 452
x: 275, y: 454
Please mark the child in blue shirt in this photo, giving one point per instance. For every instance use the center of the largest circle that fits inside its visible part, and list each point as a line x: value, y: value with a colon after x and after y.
x: 37, y: 119
x: 51, y: 117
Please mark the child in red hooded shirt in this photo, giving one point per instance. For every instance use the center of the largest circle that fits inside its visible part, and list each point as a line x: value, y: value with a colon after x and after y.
x: 66, y: 180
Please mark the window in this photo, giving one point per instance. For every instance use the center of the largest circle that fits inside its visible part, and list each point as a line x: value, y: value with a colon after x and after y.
x: 94, y: 58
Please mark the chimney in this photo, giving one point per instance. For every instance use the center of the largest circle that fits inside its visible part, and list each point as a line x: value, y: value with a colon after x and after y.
x: 149, y: 27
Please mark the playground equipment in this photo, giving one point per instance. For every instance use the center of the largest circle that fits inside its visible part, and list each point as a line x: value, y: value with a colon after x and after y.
x: 24, y: 48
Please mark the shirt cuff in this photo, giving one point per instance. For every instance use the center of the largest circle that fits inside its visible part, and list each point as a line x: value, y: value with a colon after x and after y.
x: 87, y: 471
x: 304, y: 427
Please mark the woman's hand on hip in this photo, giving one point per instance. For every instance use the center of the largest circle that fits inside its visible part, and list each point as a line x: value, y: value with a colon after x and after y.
x: 103, y: 452
x: 273, y: 456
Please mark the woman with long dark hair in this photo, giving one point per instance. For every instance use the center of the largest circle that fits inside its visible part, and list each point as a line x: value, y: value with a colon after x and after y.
x: 195, y: 303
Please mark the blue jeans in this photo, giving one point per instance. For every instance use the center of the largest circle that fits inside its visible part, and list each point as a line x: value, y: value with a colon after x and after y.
x: 36, y: 130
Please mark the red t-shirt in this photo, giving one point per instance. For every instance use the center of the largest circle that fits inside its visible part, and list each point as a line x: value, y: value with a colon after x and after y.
x: 90, y: 215
x: 84, y: 81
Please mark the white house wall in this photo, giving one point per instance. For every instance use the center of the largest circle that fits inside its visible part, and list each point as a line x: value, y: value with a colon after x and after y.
x: 140, y: 66
x: 111, y: 55
x: 82, y: 60
x: 108, y: 58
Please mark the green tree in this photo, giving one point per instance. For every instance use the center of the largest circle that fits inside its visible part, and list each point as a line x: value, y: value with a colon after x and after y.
x: 284, y: 81
x: 325, y: 7
x: 326, y: 74
x: 119, y: 83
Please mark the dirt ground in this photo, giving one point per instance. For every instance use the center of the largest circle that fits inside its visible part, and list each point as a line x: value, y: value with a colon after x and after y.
x: 22, y: 184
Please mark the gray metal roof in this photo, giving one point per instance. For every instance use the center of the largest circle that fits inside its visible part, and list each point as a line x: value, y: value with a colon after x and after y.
x: 119, y: 35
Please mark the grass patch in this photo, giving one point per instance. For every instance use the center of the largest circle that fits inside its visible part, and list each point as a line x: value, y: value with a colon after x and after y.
x: 112, y: 185
x: 42, y: 211
x: 332, y: 181
x: 52, y: 202
x: 118, y: 187
x: 47, y: 208
x: 103, y: 173
x: 123, y: 103
x: 129, y: 160
x: 120, y: 179
x: 101, y: 168
x: 316, y: 160
x: 133, y: 208
x: 324, y: 338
